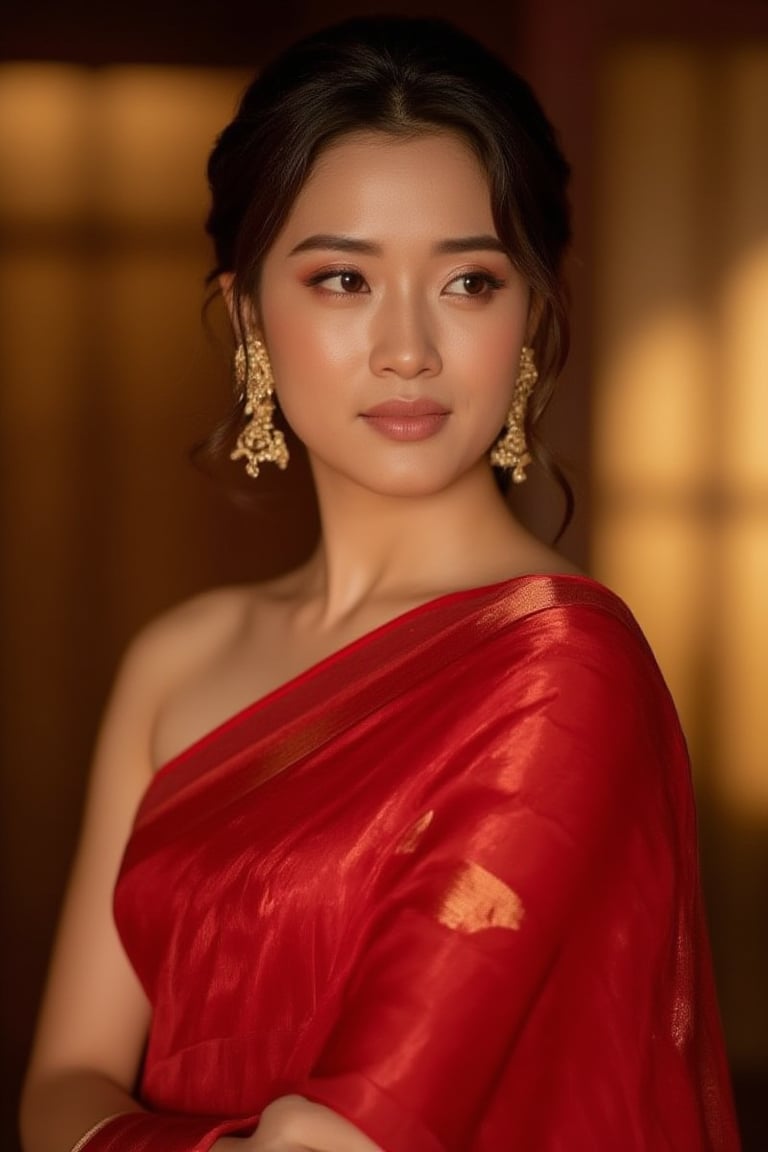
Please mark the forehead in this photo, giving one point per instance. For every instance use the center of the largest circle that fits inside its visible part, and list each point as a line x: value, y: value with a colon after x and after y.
x: 378, y: 182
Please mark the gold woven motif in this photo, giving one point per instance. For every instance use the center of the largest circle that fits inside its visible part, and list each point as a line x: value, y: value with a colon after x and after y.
x: 476, y: 900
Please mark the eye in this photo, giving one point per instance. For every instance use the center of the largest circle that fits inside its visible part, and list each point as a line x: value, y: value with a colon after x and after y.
x: 340, y: 281
x: 474, y: 284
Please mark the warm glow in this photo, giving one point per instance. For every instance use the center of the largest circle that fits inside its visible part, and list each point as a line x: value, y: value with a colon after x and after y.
x: 156, y: 126
x: 658, y: 563
x: 108, y: 376
x: 652, y: 423
x: 126, y: 144
x: 742, y: 667
x: 681, y: 393
x: 743, y: 443
x: 46, y: 117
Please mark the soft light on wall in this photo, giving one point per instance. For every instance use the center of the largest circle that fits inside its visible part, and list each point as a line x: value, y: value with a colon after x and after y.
x: 681, y: 411
x: 681, y: 448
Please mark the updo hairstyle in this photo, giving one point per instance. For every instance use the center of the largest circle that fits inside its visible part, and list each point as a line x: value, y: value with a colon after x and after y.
x: 404, y: 77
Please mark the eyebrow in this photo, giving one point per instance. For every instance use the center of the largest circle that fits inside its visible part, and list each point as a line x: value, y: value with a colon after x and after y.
x: 326, y: 241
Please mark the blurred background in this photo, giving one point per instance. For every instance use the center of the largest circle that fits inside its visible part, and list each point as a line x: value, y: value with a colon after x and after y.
x: 109, y: 373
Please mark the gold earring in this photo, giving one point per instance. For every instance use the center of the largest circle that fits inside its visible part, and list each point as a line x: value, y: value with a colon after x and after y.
x: 259, y: 441
x: 511, y: 450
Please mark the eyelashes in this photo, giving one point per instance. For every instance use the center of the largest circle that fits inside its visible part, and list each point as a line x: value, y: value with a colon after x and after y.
x: 342, y: 275
x: 483, y: 279
x: 353, y: 283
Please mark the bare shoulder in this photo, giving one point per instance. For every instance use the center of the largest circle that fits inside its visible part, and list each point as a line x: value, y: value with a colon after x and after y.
x: 163, y: 654
x: 202, y: 661
x: 190, y: 631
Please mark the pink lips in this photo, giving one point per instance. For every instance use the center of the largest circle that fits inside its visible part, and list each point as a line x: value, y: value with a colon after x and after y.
x: 407, y: 419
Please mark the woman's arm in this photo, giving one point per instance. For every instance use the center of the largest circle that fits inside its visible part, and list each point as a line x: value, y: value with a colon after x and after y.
x: 94, y: 1017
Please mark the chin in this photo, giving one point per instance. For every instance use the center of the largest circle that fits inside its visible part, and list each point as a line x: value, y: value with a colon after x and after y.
x: 414, y: 482
x: 413, y: 474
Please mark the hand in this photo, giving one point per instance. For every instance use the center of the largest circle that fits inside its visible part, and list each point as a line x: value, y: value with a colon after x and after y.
x: 295, y: 1124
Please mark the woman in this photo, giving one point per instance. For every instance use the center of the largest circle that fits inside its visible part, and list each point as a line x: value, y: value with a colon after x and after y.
x: 402, y: 843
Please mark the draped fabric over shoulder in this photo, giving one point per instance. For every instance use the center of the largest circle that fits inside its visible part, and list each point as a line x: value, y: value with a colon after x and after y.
x: 444, y: 882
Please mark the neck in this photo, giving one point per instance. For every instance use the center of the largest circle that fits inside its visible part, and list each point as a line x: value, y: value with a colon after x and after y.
x: 402, y: 549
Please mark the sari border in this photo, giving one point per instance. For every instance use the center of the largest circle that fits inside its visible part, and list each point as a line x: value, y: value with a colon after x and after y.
x: 590, y: 592
x: 348, y: 649
x: 307, y: 722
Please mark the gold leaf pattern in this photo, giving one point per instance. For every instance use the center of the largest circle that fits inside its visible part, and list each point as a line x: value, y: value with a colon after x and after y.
x: 476, y: 900
x: 410, y: 841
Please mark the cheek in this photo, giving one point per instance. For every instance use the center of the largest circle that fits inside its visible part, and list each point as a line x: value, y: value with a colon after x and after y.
x: 295, y: 359
x: 488, y: 340
x: 303, y: 371
x: 491, y: 363
x: 499, y: 353
x: 307, y: 344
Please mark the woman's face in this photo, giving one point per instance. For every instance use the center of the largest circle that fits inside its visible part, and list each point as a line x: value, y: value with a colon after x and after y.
x: 388, y: 284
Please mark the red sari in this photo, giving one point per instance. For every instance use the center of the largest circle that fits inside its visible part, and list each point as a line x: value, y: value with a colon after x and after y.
x: 444, y: 882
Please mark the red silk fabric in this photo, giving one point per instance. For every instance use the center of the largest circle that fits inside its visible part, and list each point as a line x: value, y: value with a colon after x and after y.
x: 444, y: 882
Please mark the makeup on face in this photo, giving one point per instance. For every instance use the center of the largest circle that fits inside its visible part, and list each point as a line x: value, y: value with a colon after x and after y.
x: 400, y: 419
x: 393, y: 313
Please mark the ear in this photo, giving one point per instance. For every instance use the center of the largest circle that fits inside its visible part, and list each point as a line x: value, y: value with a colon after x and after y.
x: 226, y: 287
x: 535, y: 313
x: 242, y: 315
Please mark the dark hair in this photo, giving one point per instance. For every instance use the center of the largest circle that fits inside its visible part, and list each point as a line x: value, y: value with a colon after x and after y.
x: 401, y: 76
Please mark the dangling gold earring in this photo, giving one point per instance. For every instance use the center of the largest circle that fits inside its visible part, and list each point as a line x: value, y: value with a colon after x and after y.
x: 511, y: 450
x: 259, y: 442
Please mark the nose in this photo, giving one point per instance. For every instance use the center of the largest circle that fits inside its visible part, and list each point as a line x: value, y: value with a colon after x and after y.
x: 403, y: 342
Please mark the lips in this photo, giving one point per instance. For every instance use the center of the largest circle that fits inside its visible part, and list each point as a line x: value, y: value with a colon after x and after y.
x: 405, y: 409
x: 407, y: 420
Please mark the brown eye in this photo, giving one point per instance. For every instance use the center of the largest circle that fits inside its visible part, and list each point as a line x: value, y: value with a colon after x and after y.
x: 341, y: 282
x: 351, y: 281
x: 474, y: 284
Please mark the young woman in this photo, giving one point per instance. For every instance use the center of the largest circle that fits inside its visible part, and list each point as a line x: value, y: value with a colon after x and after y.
x: 402, y: 844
